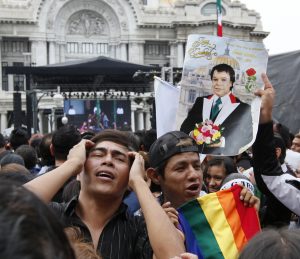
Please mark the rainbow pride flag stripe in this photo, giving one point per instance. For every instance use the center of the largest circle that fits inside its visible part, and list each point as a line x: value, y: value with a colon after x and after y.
x: 218, y: 225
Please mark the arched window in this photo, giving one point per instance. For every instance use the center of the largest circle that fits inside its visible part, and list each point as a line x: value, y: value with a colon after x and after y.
x: 210, y: 9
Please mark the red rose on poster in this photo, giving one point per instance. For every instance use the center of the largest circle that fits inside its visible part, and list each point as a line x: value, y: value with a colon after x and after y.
x: 215, y: 127
x: 250, y: 72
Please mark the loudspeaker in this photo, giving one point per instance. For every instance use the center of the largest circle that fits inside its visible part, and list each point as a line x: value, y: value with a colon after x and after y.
x: 17, y: 110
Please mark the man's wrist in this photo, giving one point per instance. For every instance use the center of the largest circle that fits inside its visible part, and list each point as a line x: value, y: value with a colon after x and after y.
x: 137, y: 182
x: 74, y: 163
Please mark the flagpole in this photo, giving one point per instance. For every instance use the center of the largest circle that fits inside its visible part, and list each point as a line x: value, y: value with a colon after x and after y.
x: 219, y: 18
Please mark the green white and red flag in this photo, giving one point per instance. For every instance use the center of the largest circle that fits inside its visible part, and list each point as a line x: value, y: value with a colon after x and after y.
x: 219, y: 17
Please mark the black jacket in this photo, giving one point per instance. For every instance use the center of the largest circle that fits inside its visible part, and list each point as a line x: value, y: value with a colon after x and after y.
x: 272, y: 181
x: 237, y: 128
x: 123, y: 237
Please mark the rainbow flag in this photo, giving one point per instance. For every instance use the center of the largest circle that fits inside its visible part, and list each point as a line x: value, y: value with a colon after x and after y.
x: 218, y: 225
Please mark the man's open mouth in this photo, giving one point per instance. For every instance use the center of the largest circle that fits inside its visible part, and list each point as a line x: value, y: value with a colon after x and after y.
x: 103, y: 174
x: 193, y: 187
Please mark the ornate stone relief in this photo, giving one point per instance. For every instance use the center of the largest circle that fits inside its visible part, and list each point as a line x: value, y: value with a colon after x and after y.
x: 120, y: 11
x: 90, y: 22
x: 51, y: 13
x: 86, y: 23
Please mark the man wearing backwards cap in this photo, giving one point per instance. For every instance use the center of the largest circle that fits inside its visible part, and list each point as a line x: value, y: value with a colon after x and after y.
x: 175, y: 166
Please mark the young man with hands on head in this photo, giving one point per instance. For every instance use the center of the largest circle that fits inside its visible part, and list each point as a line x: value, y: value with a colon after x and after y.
x: 105, y: 163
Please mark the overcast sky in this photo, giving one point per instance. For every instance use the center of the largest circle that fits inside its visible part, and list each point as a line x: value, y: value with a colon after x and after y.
x: 280, y: 19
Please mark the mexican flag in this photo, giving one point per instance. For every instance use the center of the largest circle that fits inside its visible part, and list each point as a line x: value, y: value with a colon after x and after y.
x: 219, y: 16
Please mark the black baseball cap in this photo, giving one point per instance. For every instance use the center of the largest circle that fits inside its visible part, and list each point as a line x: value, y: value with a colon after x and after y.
x: 170, y: 144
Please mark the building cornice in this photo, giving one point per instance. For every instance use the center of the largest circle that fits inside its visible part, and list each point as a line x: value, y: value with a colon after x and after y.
x: 259, y: 33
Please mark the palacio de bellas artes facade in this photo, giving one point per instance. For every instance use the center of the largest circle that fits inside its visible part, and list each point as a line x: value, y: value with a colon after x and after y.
x: 153, y: 32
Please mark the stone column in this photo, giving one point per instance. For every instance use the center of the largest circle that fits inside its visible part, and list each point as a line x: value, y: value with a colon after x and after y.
x: 133, y: 120
x: 62, y: 52
x: 180, y: 54
x: 123, y: 52
x: 113, y: 51
x: 173, y: 54
x: 3, y: 121
x: 136, y: 52
x: 49, y: 123
x: 40, y: 120
x: 38, y: 52
x: 147, y: 120
x: 51, y: 52
x: 0, y: 64
x: 54, y: 123
x: 140, y: 120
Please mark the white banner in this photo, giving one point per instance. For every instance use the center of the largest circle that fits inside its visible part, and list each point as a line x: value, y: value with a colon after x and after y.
x: 166, y: 103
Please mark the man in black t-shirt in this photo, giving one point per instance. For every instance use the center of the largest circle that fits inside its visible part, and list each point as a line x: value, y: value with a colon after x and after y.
x: 108, y: 167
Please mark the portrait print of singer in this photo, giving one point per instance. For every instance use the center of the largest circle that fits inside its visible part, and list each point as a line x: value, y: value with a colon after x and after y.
x: 224, y: 109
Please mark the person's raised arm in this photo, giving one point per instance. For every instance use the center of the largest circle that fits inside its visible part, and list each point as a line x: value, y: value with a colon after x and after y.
x: 165, y: 240
x: 263, y: 148
x: 269, y: 176
x: 267, y: 100
x: 48, y: 184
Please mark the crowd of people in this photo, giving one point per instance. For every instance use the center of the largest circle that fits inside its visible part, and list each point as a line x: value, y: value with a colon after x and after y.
x: 115, y: 194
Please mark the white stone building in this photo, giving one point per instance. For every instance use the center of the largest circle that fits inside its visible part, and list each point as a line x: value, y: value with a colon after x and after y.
x: 41, y: 32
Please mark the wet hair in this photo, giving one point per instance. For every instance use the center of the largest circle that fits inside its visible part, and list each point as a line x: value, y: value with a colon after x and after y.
x: 16, y: 173
x: 297, y: 135
x: 135, y: 140
x: 18, y: 137
x: 273, y: 243
x: 44, y: 148
x: 224, y: 68
x: 149, y: 138
x: 35, y: 141
x: 63, y: 140
x: 28, y: 228
x: 116, y: 136
x: 29, y: 155
x: 225, y: 162
x: 279, y: 143
x: 12, y: 158
x: 13, y: 167
x: 284, y: 132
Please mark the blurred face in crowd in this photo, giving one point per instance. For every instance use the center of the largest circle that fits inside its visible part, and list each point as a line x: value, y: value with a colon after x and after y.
x: 182, y: 180
x: 106, y: 170
x: 215, y: 176
x: 296, y: 145
x: 221, y: 83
